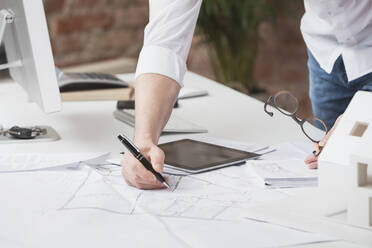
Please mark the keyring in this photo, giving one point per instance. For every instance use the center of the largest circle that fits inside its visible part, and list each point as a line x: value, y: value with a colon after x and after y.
x: 24, y: 132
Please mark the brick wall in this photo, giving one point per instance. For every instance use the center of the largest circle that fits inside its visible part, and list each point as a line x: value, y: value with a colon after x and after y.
x: 281, y: 62
x: 92, y: 30
x: 84, y: 31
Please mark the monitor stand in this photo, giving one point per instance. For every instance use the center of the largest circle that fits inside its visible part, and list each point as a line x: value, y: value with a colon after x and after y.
x: 7, y: 18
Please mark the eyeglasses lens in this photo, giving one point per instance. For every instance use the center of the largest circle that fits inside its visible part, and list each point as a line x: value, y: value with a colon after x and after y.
x: 286, y: 102
x: 315, y: 133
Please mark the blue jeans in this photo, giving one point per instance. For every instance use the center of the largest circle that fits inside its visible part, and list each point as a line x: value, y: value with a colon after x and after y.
x: 330, y: 94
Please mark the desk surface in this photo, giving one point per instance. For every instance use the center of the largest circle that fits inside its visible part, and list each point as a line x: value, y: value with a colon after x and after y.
x: 90, y: 126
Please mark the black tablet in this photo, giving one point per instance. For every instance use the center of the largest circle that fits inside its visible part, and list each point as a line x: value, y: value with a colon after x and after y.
x: 195, y: 156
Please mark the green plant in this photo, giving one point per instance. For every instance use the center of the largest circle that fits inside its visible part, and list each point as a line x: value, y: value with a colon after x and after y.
x: 230, y: 27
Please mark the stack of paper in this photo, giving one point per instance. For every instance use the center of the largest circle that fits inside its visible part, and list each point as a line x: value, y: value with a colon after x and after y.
x: 285, y: 173
x: 175, y: 124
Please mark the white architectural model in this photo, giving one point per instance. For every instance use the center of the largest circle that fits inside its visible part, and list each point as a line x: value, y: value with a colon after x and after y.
x: 345, y: 164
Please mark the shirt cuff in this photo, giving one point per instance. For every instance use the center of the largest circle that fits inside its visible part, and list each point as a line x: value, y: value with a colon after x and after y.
x: 163, y: 61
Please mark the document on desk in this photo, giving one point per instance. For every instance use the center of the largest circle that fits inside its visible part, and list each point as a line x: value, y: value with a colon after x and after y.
x: 91, y: 204
x: 288, y: 150
x: 285, y: 167
x: 22, y: 162
x: 94, y: 207
x: 285, y: 173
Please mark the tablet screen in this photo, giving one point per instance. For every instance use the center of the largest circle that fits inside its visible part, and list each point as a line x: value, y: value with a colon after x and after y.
x: 195, y: 155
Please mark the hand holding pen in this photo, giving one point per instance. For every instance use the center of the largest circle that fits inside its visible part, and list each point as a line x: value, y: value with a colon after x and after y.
x: 138, y: 171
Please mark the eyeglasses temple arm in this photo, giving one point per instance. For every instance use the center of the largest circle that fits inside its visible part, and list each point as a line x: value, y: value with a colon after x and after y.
x: 265, y: 107
x: 316, y: 154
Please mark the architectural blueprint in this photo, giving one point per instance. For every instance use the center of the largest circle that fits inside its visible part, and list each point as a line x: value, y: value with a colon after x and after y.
x: 221, y: 194
x: 90, y: 205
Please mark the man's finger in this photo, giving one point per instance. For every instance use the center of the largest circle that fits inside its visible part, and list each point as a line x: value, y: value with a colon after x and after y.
x: 310, y: 159
x: 313, y: 165
x: 317, y: 147
x: 147, y: 178
x: 136, y: 169
x: 136, y: 180
x: 134, y: 172
x: 149, y: 186
x: 146, y: 185
x: 141, y: 174
x: 157, y: 159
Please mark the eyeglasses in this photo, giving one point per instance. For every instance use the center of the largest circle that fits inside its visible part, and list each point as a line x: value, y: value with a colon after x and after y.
x: 287, y: 104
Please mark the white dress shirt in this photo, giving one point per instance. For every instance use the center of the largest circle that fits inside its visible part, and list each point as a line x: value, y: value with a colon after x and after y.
x: 168, y: 37
x: 330, y: 28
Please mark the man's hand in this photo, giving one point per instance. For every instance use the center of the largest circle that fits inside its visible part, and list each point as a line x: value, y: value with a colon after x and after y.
x: 155, y: 96
x: 136, y: 175
x: 312, y: 160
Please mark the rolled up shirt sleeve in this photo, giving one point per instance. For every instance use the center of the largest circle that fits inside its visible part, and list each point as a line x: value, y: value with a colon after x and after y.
x: 168, y: 37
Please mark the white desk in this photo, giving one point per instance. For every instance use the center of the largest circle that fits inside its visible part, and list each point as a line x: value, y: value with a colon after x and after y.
x: 90, y: 126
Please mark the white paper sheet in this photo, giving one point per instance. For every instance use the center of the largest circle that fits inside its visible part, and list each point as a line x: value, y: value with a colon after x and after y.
x: 93, y: 207
x: 308, y: 211
x: 284, y: 151
x: 22, y: 162
x: 221, y: 234
x: 285, y: 173
x: 70, y: 208
x: 219, y: 194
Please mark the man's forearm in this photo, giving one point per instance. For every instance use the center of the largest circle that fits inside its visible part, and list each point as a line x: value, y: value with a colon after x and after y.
x: 155, y: 96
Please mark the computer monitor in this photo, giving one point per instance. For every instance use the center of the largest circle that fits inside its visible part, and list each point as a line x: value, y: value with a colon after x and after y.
x: 25, y: 35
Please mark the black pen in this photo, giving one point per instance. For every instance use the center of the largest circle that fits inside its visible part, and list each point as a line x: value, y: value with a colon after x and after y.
x: 138, y: 155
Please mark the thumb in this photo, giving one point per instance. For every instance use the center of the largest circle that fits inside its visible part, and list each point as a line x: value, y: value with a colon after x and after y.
x: 157, y: 159
x: 317, y: 148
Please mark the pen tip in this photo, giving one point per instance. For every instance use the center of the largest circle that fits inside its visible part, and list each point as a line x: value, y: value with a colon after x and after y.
x: 166, y: 185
